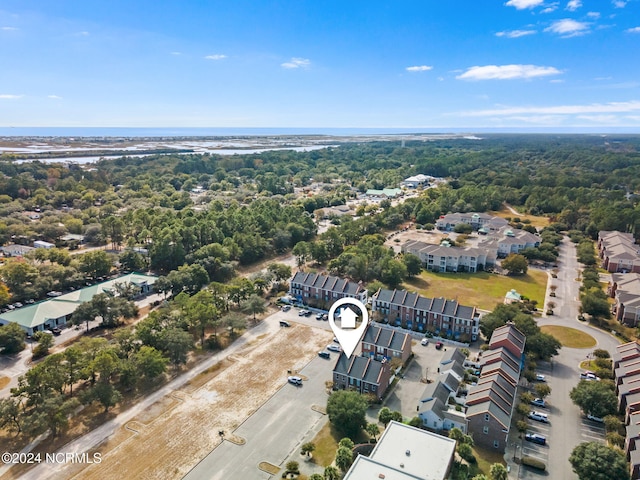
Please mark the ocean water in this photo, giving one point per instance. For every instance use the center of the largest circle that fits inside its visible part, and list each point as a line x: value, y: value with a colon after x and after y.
x: 258, y: 131
x: 197, y: 132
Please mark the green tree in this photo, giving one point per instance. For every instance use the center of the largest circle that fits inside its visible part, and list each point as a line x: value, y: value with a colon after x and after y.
x: 11, y: 338
x: 307, y: 448
x: 292, y: 466
x: 385, y: 416
x: 344, y: 458
x: 498, y: 472
x: 150, y: 362
x: 595, y: 461
x: 596, y: 398
x: 542, y: 390
x: 10, y: 415
x: 234, y: 321
x: 253, y: 305
x: 176, y: 344
x: 316, y: 476
x: 96, y: 263
x: 347, y: 411
x: 515, y: 264
x: 45, y: 342
x: 465, y: 451
x: 280, y: 271
x: 373, y: 430
x: 412, y: 263
x: 331, y: 473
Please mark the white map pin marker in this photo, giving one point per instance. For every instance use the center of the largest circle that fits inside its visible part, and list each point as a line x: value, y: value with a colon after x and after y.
x: 348, y: 335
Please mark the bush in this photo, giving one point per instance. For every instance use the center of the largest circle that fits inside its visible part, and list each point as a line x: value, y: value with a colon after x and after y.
x: 534, y: 463
x: 601, y: 353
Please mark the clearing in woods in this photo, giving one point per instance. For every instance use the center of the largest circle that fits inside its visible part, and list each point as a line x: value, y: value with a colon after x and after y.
x: 177, y: 432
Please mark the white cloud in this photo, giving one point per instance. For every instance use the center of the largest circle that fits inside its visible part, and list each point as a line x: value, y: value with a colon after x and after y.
x: 419, y: 68
x: 9, y: 29
x: 83, y: 34
x: 568, y: 28
x: 296, y: 62
x: 507, y: 72
x: 633, y: 30
x: 619, y: 3
x: 593, y: 14
x: 176, y: 53
x: 552, y: 7
x: 217, y: 56
x: 573, y: 5
x: 599, y: 118
x: 522, y: 4
x: 556, y: 80
x: 54, y: 97
x: 8, y: 96
x: 515, y: 33
x: 597, y: 108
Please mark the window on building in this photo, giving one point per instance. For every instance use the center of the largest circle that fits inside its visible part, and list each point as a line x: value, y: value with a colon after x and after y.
x: 486, y: 417
x: 496, y: 444
x: 485, y: 430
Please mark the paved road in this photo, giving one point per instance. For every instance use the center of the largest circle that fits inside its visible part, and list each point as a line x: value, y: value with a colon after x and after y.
x: 273, y: 432
x: 567, y: 427
x: 100, y: 434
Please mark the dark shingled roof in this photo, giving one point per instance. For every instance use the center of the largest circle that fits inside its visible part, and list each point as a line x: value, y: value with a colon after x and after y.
x: 386, y: 337
x: 435, y: 305
x: 328, y: 282
x: 363, y: 368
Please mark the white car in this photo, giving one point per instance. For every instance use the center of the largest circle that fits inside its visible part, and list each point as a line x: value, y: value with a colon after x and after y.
x: 538, y: 402
x: 333, y: 348
x: 540, y: 378
x: 589, y: 376
x: 424, y: 342
x: 538, y: 417
x: 293, y: 380
x: 595, y: 419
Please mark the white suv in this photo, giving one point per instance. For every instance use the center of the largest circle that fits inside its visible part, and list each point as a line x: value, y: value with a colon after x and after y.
x: 539, y: 417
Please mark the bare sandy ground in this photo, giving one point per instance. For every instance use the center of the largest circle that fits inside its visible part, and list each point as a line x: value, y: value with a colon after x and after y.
x: 166, y: 440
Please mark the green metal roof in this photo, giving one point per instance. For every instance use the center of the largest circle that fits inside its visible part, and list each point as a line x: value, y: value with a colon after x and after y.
x: 33, y: 315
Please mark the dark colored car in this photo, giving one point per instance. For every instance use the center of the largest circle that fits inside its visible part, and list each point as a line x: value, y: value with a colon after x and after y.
x: 56, y: 331
x: 284, y: 323
x: 324, y: 354
x: 439, y: 345
x: 535, y: 438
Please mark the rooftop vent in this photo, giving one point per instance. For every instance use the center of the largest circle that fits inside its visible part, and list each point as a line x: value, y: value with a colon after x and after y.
x: 408, y: 453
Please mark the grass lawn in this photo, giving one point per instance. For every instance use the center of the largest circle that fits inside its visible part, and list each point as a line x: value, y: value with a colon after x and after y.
x: 481, y: 289
x: 485, y: 459
x: 536, y: 221
x: 326, y: 442
x: 570, y: 337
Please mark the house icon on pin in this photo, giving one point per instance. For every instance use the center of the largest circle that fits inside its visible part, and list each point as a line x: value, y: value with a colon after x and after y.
x: 348, y: 318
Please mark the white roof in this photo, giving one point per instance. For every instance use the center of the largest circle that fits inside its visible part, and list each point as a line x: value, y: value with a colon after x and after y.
x: 407, y: 453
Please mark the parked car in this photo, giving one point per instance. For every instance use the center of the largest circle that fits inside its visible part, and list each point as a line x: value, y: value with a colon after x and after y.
x: 324, y: 354
x: 439, y: 345
x: 302, y: 313
x: 56, y: 331
x: 293, y: 380
x: 284, y: 323
x: 538, y: 402
x: 318, y: 316
x: 595, y: 419
x: 424, y: 342
x: 538, y: 417
x: 540, y: 378
x: 589, y: 376
x: 308, y: 313
x: 325, y: 317
x: 535, y: 438
x: 333, y: 348
x: 286, y: 308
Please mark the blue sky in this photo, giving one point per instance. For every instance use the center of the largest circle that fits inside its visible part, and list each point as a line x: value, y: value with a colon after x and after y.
x: 308, y: 63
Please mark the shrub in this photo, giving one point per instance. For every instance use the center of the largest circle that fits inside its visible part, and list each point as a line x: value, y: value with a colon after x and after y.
x: 601, y: 353
x: 534, y: 463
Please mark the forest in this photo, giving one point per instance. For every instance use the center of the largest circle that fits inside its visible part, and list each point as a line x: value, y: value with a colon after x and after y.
x: 197, y: 220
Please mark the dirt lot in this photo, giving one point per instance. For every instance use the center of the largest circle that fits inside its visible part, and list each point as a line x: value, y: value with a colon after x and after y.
x: 174, y: 434
x: 399, y: 238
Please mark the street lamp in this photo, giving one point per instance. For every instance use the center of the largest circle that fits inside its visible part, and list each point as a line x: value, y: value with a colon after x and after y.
x: 515, y: 451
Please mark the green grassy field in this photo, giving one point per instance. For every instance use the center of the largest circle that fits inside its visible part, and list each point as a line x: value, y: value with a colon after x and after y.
x: 570, y: 337
x: 481, y: 289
